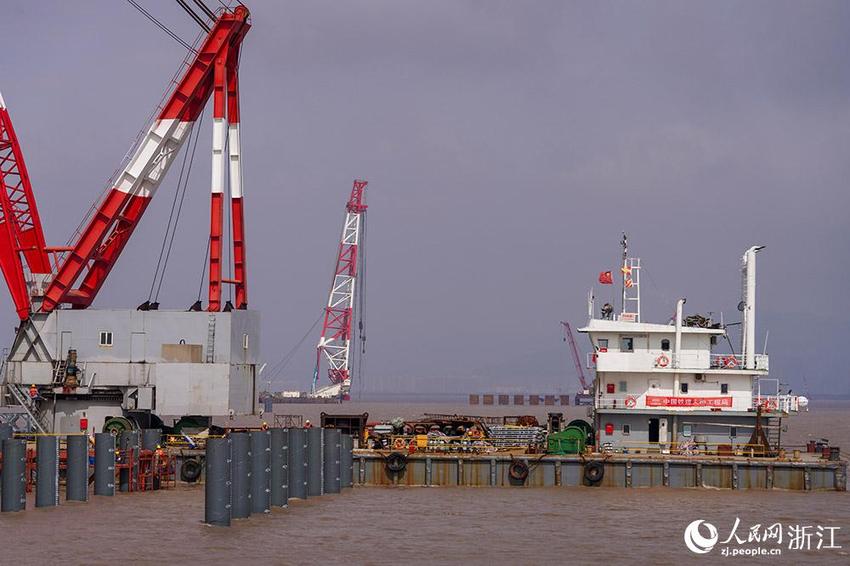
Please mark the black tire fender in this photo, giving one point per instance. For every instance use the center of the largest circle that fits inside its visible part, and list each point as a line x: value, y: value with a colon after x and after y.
x: 396, y: 462
x: 190, y: 470
x: 518, y: 470
x: 594, y: 471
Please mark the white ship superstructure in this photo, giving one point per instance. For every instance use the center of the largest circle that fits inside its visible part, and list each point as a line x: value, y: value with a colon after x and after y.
x: 667, y: 387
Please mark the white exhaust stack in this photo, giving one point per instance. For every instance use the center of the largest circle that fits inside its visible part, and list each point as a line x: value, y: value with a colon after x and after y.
x: 679, y: 304
x: 748, y: 307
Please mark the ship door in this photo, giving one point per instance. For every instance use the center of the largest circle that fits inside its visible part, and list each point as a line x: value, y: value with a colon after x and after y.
x: 662, y: 432
x: 653, y: 430
x: 137, y: 347
x: 64, y: 344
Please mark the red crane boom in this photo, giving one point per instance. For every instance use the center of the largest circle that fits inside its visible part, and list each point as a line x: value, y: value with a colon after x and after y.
x: 80, y: 272
x: 568, y: 335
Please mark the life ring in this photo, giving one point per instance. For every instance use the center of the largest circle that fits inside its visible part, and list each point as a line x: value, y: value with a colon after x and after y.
x: 662, y: 361
x: 190, y: 470
x: 730, y: 362
x: 518, y: 470
x: 396, y: 462
x: 631, y: 402
x: 594, y: 471
x: 399, y: 443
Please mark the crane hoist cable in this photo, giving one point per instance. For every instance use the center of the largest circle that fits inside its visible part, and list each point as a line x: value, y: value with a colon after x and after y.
x: 160, y: 25
x: 168, y: 225
x: 182, y: 193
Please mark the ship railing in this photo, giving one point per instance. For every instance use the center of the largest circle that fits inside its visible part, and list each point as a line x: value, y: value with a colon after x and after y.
x: 688, y: 447
x: 736, y: 361
x: 777, y: 403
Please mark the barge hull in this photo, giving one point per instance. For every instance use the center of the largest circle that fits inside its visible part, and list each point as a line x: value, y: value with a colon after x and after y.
x: 370, y: 469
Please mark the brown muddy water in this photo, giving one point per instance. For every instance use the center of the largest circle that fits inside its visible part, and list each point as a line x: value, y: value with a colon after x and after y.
x: 437, y: 525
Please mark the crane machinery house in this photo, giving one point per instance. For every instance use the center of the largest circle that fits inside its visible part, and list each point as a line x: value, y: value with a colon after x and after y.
x: 662, y: 388
x: 139, y: 364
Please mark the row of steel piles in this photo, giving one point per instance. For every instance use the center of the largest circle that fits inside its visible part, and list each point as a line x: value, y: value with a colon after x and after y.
x: 13, y: 475
x: 249, y: 473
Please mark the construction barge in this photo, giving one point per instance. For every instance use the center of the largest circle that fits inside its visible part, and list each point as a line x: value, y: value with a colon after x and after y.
x: 374, y: 468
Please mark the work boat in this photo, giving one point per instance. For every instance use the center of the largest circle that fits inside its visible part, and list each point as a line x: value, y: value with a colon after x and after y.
x: 666, y: 389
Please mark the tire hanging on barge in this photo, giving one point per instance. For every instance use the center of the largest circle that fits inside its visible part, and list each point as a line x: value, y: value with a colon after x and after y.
x: 594, y: 471
x: 396, y: 462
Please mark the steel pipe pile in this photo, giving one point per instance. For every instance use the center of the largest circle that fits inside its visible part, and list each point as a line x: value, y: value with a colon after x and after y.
x: 330, y: 461
x: 77, y: 468
x: 47, y: 471
x: 253, y: 472
x: 13, y: 479
x: 298, y: 463
x: 279, y: 467
x: 261, y: 468
x: 104, y: 464
x: 315, y: 480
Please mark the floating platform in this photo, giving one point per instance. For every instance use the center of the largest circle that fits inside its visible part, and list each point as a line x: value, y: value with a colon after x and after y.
x: 494, y: 470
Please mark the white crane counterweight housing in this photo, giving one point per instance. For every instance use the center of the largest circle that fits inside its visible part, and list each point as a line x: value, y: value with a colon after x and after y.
x: 335, y: 341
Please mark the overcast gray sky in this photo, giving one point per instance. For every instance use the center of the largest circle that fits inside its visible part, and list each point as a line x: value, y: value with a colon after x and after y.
x: 506, y: 144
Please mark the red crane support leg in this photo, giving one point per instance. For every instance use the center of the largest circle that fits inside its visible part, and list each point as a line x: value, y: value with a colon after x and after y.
x: 234, y: 143
x: 218, y: 176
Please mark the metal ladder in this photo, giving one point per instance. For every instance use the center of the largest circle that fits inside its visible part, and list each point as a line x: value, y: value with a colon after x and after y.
x: 60, y: 371
x: 37, y: 417
x: 211, y: 339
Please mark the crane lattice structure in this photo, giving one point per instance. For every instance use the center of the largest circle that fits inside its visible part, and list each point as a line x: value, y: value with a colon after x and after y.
x: 335, y: 341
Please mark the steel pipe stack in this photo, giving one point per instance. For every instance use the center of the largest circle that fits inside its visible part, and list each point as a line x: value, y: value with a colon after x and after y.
x: 104, y: 464
x: 298, y: 463
x: 240, y: 474
x: 261, y: 470
x: 346, y: 461
x: 77, y: 468
x: 47, y: 470
x: 315, y: 481
x: 279, y: 465
x: 330, y: 461
x: 14, y: 497
x: 217, y: 501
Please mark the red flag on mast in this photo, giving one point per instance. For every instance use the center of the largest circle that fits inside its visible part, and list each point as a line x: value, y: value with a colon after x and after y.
x: 606, y: 278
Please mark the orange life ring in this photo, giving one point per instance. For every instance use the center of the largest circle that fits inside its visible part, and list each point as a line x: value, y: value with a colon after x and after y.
x: 662, y: 361
x: 399, y: 443
x: 631, y: 402
x: 730, y: 362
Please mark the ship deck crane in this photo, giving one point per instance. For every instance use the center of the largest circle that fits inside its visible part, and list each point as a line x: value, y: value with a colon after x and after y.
x: 584, y: 397
x: 77, y: 272
x: 335, y: 341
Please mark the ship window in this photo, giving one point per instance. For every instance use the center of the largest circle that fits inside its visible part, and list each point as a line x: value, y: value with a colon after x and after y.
x: 684, y: 387
x: 724, y: 388
x: 733, y: 431
x: 624, y: 386
x: 665, y: 345
x: 105, y: 338
x: 627, y: 429
x: 244, y: 341
x: 627, y: 344
x: 686, y: 430
x: 602, y: 344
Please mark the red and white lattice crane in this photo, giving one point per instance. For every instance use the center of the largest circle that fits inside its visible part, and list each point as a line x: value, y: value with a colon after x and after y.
x: 335, y: 342
x: 76, y: 273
